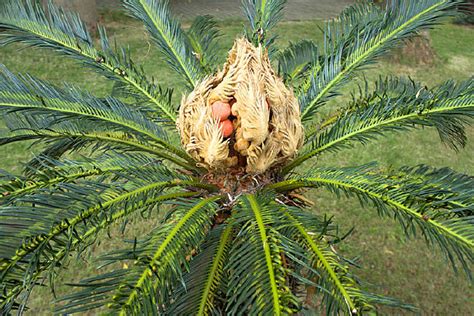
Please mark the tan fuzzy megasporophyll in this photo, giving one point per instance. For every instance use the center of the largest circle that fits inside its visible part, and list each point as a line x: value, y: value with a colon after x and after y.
x: 264, y: 129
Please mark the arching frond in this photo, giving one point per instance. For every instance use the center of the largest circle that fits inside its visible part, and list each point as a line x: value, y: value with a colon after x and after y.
x: 362, y: 33
x: 50, y: 172
x: 296, y: 60
x: 159, y: 261
x: 263, y: 15
x: 200, y: 292
x: 398, y: 105
x: 28, y: 95
x: 168, y: 35
x: 203, y: 35
x: 41, y: 229
x: 257, y: 280
x: 436, y: 202
x: 339, y: 290
x: 99, y: 140
x: 53, y: 150
x: 27, y: 22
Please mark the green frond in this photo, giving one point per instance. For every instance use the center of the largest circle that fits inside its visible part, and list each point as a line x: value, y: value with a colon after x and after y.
x: 201, y: 288
x: 436, y: 202
x: 22, y: 94
x: 263, y: 15
x: 309, y: 237
x: 27, y: 22
x: 203, y: 35
x: 362, y: 33
x: 99, y: 140
x: 339, y: 290
x: 41, y: 229
x: 54, y: 149
x: 166, y: 31
x: 296, y: 60
x: 398, y: 105
x: 257, y: 280
x: 51, y: 172
x: 159, y: 261
x: 27, y: 96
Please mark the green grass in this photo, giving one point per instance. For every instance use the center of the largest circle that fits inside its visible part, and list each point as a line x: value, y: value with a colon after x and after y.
x: 390, y: 264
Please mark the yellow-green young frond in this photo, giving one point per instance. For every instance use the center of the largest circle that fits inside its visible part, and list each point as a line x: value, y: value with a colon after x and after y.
x: 43, y: 227
x: 263, y: 15
x: 156, y: 264
x: 397, y: 105
x: 258, y: 276
x: 203, y: 288
x: 436, y: 202
x: 27, y: 22
x: 168, y: 35
x: 362, y: 33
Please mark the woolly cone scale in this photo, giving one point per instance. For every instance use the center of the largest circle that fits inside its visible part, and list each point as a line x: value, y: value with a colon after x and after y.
x: 267, y: 130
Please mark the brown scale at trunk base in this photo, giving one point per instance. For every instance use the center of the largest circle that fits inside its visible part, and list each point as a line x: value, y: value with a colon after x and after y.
x: 243, y: 120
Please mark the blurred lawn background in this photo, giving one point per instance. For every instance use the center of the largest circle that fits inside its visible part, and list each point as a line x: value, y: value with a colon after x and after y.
x: 392, y: 265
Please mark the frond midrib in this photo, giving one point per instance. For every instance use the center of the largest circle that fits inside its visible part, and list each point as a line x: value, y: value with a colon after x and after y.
x: 311, y: 181
x: 263, y: 235
x: 324, y: 261
x: 63, y: 226
x: 94, y: 230
x: 214, y: 268
x: 53, y: 108
x: 106, y: 137
x: 168, y: 43
x: 354, y: 63
x: 109, y: 67
x: 314, y: 152
x: 148, y: 271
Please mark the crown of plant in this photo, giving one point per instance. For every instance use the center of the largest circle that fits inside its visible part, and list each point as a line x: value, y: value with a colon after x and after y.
x: 233, y: 232
x: 244, y: 116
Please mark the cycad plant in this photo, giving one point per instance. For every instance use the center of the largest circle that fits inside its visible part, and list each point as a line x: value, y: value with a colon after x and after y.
x: 236, y: 235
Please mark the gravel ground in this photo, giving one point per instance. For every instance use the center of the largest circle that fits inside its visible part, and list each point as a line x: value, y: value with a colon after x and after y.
x: 225, y: 9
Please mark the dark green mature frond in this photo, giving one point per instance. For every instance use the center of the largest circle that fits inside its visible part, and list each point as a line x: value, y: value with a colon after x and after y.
x: 323, y: 268
x: 295, y: 61
x: 27, y: 22
x: 263, y: 15
x: 362, y: 33
x: 54, y: 150
x: 41, y: 228
x: 97, y: 139
x: 447, y: 189
x: 201, y: 289
x: 168, y: 35
x: 257, y: 280
x: 398, y: 105
x: 31, y: 96
x: 436, y: 202
x: 34, y: 105
x: 159, y: 262
x: 203, y: 35
x: 50, y: 172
